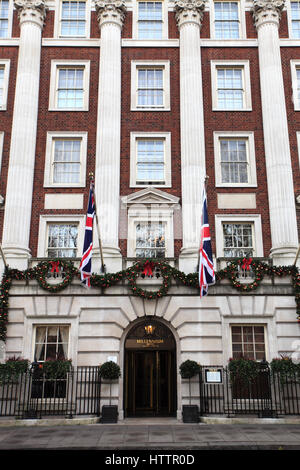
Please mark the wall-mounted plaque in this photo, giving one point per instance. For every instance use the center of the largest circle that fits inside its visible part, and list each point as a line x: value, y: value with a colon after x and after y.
x: 213, y: 376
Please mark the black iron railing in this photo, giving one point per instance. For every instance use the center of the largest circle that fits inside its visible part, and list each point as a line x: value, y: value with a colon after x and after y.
x: 269, y: 394
x: 34, y: 394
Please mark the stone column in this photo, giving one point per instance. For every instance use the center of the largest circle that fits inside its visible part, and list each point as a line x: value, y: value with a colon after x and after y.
x: 18, y: 203
x: 189, y: 15
x: 267, y: 14
x: 111, y: 14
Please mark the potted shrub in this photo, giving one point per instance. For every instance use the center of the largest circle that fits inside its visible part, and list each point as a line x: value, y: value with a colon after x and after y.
x: 109, y: 371
x: 188, y: 369
x: 285, y: 369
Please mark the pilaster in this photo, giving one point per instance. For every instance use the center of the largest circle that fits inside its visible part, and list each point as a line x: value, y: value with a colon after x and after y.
x: 189, y: 15
x: 110, y: 16
x: 18, y: 204
x: 284, y: 236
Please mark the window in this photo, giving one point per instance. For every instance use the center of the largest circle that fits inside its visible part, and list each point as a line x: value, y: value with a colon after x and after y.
x: 62, y: 240
x: 295, y: 74
x: 69, y: 87
x: 150, y: 240
x: 227, y: 23
x: 1, y: 150
x: 231, y: 89
x: 150, y: 86
x: 150, y: 222
x: 150, y: 159
x: 4, y: 73
x: 295, y: 19
x: 234, y: 159
x: 238, y: 235
x: 150, y: 20
x: 51, y: 343
x: 238, y: 240
x: 4, y: 18
x: 65, y: 159
x: 248, y: 341
x: 73, y: 19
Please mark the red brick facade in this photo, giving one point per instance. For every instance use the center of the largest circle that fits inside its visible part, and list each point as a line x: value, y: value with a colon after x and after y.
x: 151, y: 121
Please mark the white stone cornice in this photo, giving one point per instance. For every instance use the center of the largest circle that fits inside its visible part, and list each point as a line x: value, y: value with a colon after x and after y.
x: 267, y: 12
x: 110, y: 11
x: 189, y: 11
x: 33, y: 11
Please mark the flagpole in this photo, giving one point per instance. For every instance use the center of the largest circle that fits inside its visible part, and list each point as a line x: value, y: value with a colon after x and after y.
x: 205, y: 187
x: 91, y: 175
x: 3, y: 257
x: 297, y: 254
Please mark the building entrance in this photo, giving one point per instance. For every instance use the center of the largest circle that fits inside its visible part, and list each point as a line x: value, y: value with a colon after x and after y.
x: 150, y: 371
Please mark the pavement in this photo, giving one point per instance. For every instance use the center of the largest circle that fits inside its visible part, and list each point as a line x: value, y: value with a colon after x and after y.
x: 148, y: 436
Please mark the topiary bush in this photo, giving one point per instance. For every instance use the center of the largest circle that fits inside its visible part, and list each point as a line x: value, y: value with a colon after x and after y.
x: 110, y: 371
x: 189, y: 369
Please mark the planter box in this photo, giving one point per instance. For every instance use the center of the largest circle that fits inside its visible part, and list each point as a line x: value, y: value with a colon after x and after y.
x: 109, y: 414
x: 190, y: 414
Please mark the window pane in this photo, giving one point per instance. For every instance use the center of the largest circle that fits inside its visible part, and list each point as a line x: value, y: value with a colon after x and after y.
x: 150, y: 240
x: 150, y: 160
x: 150, y: 20
x: 234, y: 166
x: 4, y: 4
x: 66, y: 161
x: 73, y: 19
x: 226, y: 20
x: 70, y: 93
x: 62, y: 240
x: 295, y: 11
x: 230, y: 88
x: 237, y: 239
x: 248, y: 346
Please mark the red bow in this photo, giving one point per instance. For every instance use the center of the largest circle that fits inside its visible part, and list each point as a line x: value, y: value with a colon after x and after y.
x: 148, y: 268
x: 246, y: 263
x: 55, y: 266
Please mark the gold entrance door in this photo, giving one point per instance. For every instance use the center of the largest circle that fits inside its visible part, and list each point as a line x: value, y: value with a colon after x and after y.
x: 149, y: 383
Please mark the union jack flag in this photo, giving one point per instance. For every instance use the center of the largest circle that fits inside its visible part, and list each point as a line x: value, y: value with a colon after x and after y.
x: 206, y: 267
x: 85, y: 266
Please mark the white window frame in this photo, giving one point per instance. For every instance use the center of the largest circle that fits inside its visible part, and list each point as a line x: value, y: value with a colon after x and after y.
x: 295, y: 64
x: 252, y: 325
x: 134, y: 136
x: 298, y: 144
x: 49, y: 163
x: 289, y: 16
x: 254, y: 219
x: 239, y: 64
x: 150, y: 64
x: 47, y: 219
x: 50, y: 325
x: 5, y: 63
x: 57, y: 22
x: 135, y: 13
x: 55, y: 66
x: 1, y: 148
x: 250, y: 149
x: 10, y: 19
x: 142, y: 214
x: 242, y: 20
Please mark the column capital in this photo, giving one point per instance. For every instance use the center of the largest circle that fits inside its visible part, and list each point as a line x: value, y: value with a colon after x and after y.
x: 110, y: 11
x: 32, y: 11
x: 267, y: 12
x: 189, y: 11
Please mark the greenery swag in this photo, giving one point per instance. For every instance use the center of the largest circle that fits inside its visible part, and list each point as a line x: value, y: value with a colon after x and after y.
x: 40, y: 274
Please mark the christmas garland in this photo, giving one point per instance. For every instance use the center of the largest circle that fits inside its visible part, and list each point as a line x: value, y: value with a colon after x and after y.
x: 146, y: 268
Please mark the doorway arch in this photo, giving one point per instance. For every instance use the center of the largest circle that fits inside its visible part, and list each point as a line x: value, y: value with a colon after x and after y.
x: 150, y: 386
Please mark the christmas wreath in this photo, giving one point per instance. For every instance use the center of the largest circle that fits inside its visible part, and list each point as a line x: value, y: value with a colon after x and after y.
x: 144, y: 268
